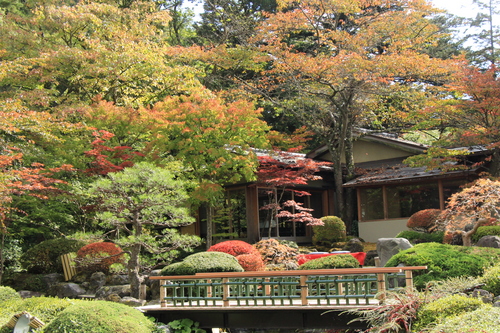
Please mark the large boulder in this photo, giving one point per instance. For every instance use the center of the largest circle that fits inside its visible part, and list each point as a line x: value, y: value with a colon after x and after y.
x: 105, y: 291
x: 387, y: 247
x: 66, y: 289
x: 489, y: 241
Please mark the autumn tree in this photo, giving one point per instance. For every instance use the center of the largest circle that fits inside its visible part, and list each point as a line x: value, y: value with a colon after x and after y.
x: 472, y: 207
x: 213, y: 139
x: 139, y: 200
x: 329, y: 61
x: 285, y: 172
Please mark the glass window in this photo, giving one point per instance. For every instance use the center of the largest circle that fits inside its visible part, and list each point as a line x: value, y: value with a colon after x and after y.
x: 372, y: 207
x: 403, y: 201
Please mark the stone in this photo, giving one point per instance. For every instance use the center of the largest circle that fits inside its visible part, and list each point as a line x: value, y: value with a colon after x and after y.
x: 387, y: 247
x: 117, y: 279
x: 52, y: 279
x: 485, y: 296
x: 29, y: 294
x: 66, y: 289
x: 130, y: 301
x: 104, y: 291
x: 489, y: 241
x: 113, y: 298
x: 97, y: 280
x: 354, y: 245
x: 370, y: 258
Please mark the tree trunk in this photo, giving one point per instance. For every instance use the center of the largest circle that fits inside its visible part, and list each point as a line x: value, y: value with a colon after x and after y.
x: 133, y: 267
x: 209, y: 211
x: 495, y: 163
x: 467, y: 236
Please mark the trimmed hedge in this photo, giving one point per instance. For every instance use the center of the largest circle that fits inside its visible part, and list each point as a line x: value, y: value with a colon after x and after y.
x: 330, y: 262
x: 44, y: 258
x: 424, y: 219
x: 100, y: 317
x: 444, y: 261
x: 332, y: 231
x: 234, y: 248
x: 450, y: 306
x: 204, y: 262
x: 486, y: 231
x: 251, y: 262
x: 7, y: 293
x: 416, y: 237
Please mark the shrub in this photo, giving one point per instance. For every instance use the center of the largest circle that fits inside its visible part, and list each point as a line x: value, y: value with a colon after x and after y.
x: 491, y: 280
x: 274, y: 252
x: 44, y: 308
x: 251, y: 262
x: 98, y: 257
x: 332, y: 231
x: 486, y: 231
x: 416, y: 237
x: 444, y: 261
x: 233, y: 247
x: 354, y: 245
x: 423, y: 220
x: 100, y: 317
x: 7, y: 293
x: 329, y: 262
x: 204, y: 262
x: 44, y: 257
x: 442, y: 308
x: 483, y: 320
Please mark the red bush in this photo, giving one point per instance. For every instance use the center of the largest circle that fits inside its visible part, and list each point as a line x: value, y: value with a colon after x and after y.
x: 251, y: 262
x: 234, y: 248
x: 424, y: 219
x: 98, y: 257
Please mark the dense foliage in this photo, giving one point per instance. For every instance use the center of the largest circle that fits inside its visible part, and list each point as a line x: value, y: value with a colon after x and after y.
x: 444, y: 261
x: 416, y: 237
x: 330, y: 262
x: 204, y: 262
x: 424, y: 220
x: 98, y: 257
x: 276, y: 254
x: 251, y: 262
x: 234, y: 248
x: 333, y: 230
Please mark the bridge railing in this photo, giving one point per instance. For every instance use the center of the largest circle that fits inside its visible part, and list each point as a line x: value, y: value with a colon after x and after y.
x: 325, y: 287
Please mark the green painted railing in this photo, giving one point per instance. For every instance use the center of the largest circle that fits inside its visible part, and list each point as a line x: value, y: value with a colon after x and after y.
x: 330, y: 287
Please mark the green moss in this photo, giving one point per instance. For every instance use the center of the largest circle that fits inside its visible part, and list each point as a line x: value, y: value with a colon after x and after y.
x: 437, y: 311
x: 330, y: 262
x: 486, y: 231
x: 100, y: 317
x: 444, y: 261
x: 491, y: 280
x: 204, y: 262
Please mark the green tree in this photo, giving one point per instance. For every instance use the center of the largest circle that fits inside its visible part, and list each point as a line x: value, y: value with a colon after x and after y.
x: 214, y: 139
x: 485, y: 33
x: 139, y: 200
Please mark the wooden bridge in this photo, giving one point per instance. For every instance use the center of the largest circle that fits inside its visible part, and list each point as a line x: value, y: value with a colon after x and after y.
x: 276, y: 299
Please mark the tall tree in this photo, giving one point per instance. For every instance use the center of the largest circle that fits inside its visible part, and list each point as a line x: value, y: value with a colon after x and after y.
x: 136, y: 201
x: 485, y: 32
x: 328, y: 61
x: 214, y: 139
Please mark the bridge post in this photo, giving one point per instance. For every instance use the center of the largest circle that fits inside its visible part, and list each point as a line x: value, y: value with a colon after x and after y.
x: 163, y: 294
x: 409, y: 279
x: 304, y: 291
x: 225, y: 291
x: 381, y: 285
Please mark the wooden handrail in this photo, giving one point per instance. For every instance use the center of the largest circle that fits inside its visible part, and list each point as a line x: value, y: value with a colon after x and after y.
x: 337, y: 271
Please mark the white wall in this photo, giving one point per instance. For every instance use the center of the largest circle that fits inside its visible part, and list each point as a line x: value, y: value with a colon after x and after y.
x: 371, y: 231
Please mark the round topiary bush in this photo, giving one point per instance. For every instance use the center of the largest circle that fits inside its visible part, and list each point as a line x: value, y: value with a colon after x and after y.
x: 233, y: 247
x: 251, y: 262
x: 442, y: 308
x: 98, y: 257
x: 44, y: 258
x: 424, y: 220
x: 100, y: 317
x: 444, y: 261
x: 486, y: 231
x: 491, y: 280
x: 330, y: 262
x: 7, y: 293
x: 204, y: 262
x: 332, y: 231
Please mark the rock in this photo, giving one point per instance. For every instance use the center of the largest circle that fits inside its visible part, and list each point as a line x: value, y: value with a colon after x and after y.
x: 130, y: 301
x: 485, y: 296
x: 370, y: 258
x: 29, y: 294
x: 354, y: 245
x: 66, y: 289
x: 489, y: 241
x: 53, y: 279
x: 104, y: 291
x: 117, y: 279
x: 113, y: 298
x: 387, y: 247
x: 97, y: 280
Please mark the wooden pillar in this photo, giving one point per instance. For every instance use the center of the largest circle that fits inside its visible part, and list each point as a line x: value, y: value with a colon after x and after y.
x: 409, y: 279
x: 304, y: 291
x: 381, y: 285
x: 225, y: 291
x: 163, y: 294
x: 252, y: 210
